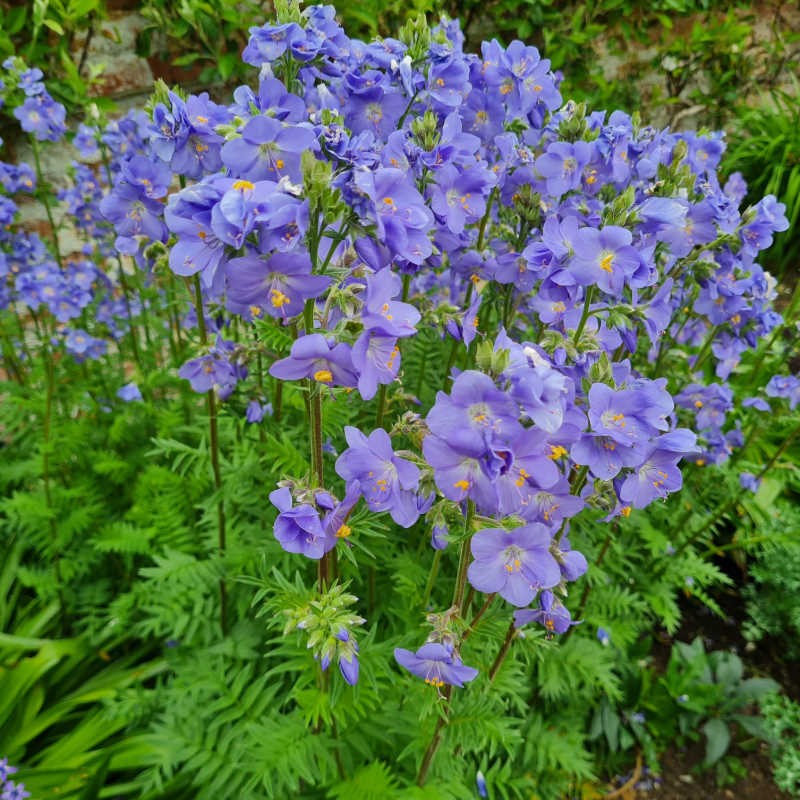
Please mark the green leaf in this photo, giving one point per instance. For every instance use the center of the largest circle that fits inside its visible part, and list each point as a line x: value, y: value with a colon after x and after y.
x: 15, y: 20
x: 81, y: 8
x: 718, y: 738
x: 610, y: 727
x: 54, y: 26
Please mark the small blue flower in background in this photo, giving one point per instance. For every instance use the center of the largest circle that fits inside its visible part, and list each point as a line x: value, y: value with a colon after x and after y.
x: 481, y: 781
x: 5, y: 769
x: 749, y: 481
x: 129, y: 393
x: 10, y: 790
x: 604, y: 637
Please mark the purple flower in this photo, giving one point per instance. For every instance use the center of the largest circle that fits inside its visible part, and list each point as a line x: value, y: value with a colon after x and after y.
x: 299, y: 528
x: 655, y: 478
x: 401, y: 216
x: 551, y: 613
x: 562, y: 166
x: 268, y: 149
x: 480, y: 781
x: 474, y: 410
x: 270, y: 42
x: 439, y: 537
x: 436, y: 665
x: 785, y: 386
x: 5, y: 770
x: 256, y: 411
x: 604, y: 258
x: 14, y: 791
x: 129, y: 393
x: 42, y: 116
x: 604, y: 637
x: 348, y: 657
x: 381, y: 313
x: 278, y: 285
x: 457, y: 196
x: 749, y: 481
x: 387, y: 482
x: 188, y: 215
x: 516, y: 564
x: 376, y: 359
x: 312, y: 356
x: 215, y: 370
x: 629, y: 416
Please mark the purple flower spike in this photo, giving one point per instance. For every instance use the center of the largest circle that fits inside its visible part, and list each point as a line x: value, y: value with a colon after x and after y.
x: 516, y: 564
x: 436, y: 665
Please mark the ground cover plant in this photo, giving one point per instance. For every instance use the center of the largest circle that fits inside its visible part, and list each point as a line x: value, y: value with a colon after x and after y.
x: 343, y: 454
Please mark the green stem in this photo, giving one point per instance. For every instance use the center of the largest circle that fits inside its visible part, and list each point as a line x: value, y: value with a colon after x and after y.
x: 381, y: 406
x: 317, y: 475
x: 437, y: 560
x: 436, y: 740
x: 44, y: 192
x: 483, y: 609
x: 277, y: 403
x: 580, y: 480
x: 131, y: 326
x: 587, y: 589
x: 485, y: 219
x: 463, y: 559
x: 508, y: 306
x: 211, y: 401
x: 706, y: 348
x: 585, y: 316
x: 503, y: 651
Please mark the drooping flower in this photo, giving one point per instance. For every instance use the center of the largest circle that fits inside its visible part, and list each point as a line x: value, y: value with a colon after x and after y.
x: 436, y: 665
x: 298, y: 528
x: 551, y: 613
x: 313, y: 356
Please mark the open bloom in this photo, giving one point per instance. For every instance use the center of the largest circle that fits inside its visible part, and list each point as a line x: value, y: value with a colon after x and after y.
x: 387, y: 481
x: 515, y: 564
x: 312, y: 356
x: 436, y: 665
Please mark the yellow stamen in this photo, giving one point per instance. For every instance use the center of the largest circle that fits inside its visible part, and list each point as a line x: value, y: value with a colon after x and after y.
x: 323, y: 376
x: 343, y: 532
x: 243, y: 186
x: 606, y: 261
x: 278, y: 298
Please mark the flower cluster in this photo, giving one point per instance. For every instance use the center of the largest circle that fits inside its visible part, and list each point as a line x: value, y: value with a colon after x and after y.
x: 38, y: 114
x: 328, y: 623
x: 362, y: 195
